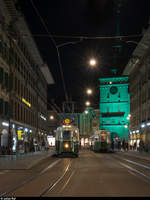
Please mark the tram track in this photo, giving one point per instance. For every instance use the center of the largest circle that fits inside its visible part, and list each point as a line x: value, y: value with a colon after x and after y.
x: 135, y: 168
x: 50, y: 184
x: 4, y: 194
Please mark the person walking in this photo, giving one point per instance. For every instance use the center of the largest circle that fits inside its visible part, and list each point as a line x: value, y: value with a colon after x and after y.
x: 134, y: 146
x: 46, y: 146
x: 35, y: 145
x: 43, y: 145
x: 112, y: 145
x: 141, y: 146
x: 119, y: 145
x: 123, y: 145
x: 127, y: 146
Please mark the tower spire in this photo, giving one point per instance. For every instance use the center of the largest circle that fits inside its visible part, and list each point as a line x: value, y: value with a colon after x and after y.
x: 117, y: 46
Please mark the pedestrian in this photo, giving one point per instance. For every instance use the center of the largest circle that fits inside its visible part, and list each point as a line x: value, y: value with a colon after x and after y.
x: 46, y: 146
x: 112, y: 145
x: 141, y: 146
x: 123, y: 145
x: 134, y: 146
x: 119, y: 145
x: 127, y: 145
x: 35, y: 145
x: 43, y: 145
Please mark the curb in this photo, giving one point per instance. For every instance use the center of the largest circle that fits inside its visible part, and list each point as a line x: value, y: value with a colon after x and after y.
x: 25, y: 163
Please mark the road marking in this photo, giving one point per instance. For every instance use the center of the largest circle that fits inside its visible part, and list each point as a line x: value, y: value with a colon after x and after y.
x: 135, y: 163
x: 139, y: 164
x: 134, y: 170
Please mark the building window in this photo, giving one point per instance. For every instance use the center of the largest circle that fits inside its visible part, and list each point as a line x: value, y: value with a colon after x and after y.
x: 6, y: 108
x: 6, y: 80
x: 1, y: 75
x: 1, y: 106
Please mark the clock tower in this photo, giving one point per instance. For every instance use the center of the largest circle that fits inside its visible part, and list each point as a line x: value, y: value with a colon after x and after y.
x: 115, y: 106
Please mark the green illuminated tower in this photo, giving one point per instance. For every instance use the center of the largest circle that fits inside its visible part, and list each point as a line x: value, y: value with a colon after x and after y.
x: 115, y: 106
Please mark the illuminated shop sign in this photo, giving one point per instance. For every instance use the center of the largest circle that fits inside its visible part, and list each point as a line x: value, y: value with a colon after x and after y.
x: 67, y: 121
x: 26, y: 129
x: 26, y: 102
x: 13, y: 125
x: 5, y: 124
x: 20, y: 127
x: 19, y: 132
x: 44, y: 118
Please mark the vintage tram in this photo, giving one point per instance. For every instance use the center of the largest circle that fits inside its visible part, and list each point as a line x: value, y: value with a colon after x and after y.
x: 67, y: 140
x: 101, y: 141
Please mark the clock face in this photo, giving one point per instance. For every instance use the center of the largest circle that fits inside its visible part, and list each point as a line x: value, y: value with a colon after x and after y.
x: 113, y: 90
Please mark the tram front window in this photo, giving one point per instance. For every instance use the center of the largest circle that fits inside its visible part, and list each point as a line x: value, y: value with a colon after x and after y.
x: 103, y: 137
x: 66, y: 135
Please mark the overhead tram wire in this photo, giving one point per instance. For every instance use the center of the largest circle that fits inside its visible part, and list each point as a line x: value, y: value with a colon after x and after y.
x: 84, y: 37
x: 70, y: 37
x: 51, y: 37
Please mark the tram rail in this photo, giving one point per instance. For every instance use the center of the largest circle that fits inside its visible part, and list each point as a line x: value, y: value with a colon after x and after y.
x: 47, y: 189
x: 139, y: 169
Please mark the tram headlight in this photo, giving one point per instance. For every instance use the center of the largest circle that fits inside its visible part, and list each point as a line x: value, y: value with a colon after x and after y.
x: 66, y: 145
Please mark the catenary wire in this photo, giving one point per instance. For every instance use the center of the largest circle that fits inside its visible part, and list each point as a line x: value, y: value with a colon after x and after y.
x: 58, y: 54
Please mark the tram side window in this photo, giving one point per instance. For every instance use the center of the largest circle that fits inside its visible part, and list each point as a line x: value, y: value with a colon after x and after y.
x: 66, y: 135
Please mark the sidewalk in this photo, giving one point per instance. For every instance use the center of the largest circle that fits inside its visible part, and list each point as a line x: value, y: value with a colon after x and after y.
x: 24, y: 161
x: 144, y: 155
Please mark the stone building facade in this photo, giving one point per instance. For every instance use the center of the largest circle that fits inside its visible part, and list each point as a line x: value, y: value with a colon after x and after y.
x: 138, y: 69
x: 87, y: 125
x: 23, y: 85
x: 115, y: 106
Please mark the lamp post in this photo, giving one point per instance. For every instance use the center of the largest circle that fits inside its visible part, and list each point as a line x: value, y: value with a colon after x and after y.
x: 87, y: 103
x: 92, y: 62
x: 89, y: 91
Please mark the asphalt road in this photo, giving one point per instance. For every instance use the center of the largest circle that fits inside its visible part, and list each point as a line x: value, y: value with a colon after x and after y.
x: 90, y: 175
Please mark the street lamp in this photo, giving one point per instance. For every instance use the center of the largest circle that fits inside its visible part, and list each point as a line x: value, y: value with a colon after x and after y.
x: 51, y: 117
x: 87, y: 103
x: 89, y: 91
x: 92, y: 62
x: 126, y: 126
x: 86, y: 112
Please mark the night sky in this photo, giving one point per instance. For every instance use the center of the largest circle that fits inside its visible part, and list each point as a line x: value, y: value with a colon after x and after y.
x: 76, y: 18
